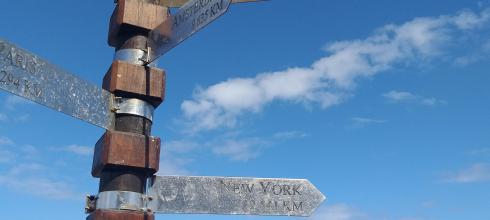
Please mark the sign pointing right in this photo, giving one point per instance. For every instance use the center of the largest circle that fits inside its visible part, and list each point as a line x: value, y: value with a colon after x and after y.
x: 233, y: 196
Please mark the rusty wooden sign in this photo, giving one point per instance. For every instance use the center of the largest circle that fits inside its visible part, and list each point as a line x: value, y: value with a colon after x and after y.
x: 25, y: 74
x: 233, y: 196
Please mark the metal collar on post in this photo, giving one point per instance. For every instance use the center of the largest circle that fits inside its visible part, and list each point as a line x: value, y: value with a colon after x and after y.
x: 134, y: 56
x: 134, y: 107
x: 122, y: 200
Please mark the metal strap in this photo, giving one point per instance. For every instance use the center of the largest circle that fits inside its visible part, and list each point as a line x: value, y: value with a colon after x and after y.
x: 134, y: 56
x: 134, y: 107
x: 121, y: 200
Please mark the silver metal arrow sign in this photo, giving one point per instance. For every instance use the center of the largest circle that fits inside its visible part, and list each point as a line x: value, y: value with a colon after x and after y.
x: 190, y: 18
x: 25, y: 74
x: 179, y: 3
x: 233, y: 196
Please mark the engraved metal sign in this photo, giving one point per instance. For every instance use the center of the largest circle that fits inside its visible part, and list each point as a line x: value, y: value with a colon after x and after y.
x: 179, y: 3
x: 25, y: 74
x: 191, y: 17
x: 233, y: 196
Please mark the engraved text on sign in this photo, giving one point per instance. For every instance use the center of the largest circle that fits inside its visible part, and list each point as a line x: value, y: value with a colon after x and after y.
x: 240, y: 196
x: 24, y: 74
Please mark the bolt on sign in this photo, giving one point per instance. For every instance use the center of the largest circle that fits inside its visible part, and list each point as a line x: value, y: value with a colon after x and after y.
x: 27, y: 75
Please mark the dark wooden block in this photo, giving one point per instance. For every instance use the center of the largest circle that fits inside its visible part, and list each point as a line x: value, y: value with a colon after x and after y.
x: 135, y: 81
x: 135, y: 16
x: 121, y: 149
x: 120, y: 215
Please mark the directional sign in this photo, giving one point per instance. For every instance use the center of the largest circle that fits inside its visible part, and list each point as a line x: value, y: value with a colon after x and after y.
x: 191, y: 17
x: 233, y: 196
x: 179, y: 3
x: 25, y: 74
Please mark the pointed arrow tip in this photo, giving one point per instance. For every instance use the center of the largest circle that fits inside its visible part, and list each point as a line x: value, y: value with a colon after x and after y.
x: 318, y: 198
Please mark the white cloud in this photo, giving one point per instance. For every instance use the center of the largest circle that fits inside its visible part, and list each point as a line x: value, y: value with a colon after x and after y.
x: 6, y: 156
x: 173, y: 163
x: 79, y: 150
x: 5, y: 141
x: 239, y: 149
x: 30, y: 152
x: 290, y: 135
x: 170, y: 166
x: 358, y: 120
x: 481, y: 151
x: 25, y: 178
x: 361, y: 122
x: 407, y: 97
x: 181, y: 146
x: 399, y: 96
x: 331, y: 79
x: 3, y: 117
x: 337, y: 212
x: 13, y: 101
x: 476, y: 173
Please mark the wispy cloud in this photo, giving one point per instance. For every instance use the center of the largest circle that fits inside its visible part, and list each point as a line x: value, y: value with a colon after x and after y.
x: 27, y: 175
x: 3, y: 117
x: 5, y: 141
x: 174, y: 162
x: 13, y: 101
x: 476, y: 173
x: 481, y: 151
x: 10, y: 106
x: 337, y: 212
x: 331, y: 79
x: 6, y: 153
x: 362, y: 122
x: 239, y: 149
x: 407, y: 97
x: 6, y: 156
x: 290, y: 135
x: 79, y: 150
x: 25, y: 178
x: 182, y: 146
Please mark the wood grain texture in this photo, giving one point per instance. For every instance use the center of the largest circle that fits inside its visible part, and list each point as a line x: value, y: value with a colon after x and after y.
x: 135, y: 16
x: 121, y: 149
x: 134, y: 81
x: 120, y: 215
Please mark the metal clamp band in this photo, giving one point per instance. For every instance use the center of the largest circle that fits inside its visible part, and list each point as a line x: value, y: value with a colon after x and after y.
x: 121, y: 200
x: 134, y: 56
x: 134, y: 107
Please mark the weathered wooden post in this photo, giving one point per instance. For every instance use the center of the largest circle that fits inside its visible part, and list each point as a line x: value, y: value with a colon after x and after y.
x: 125, y: 158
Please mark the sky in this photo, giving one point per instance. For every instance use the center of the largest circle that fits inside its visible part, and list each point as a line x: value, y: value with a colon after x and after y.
x: 383, y: 105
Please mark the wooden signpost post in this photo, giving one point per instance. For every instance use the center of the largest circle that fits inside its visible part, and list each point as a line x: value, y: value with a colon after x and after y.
x: 126, y: 157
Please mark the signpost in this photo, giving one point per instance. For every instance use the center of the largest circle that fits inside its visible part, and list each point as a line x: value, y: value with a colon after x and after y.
x: 233, y: 196
x: 180, y: 3
x: 127, y: 156
x: 25, y: 74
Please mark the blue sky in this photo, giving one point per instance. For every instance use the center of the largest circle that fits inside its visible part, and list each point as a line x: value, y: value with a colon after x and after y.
x: 381, y: 104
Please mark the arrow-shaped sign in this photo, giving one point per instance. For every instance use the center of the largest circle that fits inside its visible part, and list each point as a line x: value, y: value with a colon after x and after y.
x: 191, y: 17
x: 25, y: 74
x: 179, y: 3
x: 233, y: 196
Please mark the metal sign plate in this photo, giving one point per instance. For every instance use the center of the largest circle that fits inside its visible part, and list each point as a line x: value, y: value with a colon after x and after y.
x: 233, y: 196
x: 179, y: 3
x: 191, y: 17
x: 25, y: 74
